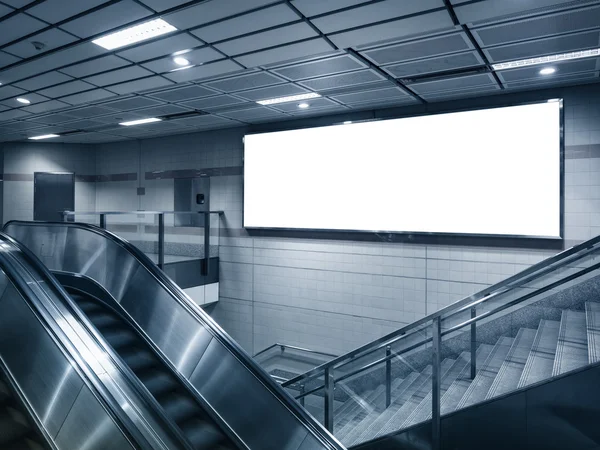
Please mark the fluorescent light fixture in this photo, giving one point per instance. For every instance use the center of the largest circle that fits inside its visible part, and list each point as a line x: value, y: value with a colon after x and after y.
x: 547, y: 71
x: 182, y: 68
x: 181, y: 61
x: 140, y: 121
x: 293, y: 98
x: 23, y: 100
x: 547, y: 59
x: 45, y: 136
x: 303, y: 105
x: 138, y: 33
x: 347, y: 122
x: 182, y: 52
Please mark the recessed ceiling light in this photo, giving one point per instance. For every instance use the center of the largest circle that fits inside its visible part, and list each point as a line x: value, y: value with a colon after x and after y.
x: 347, y: 122
x: 547, y: 59
x: 181, y: 61
x: 23, y: 100
x: 182, y: 68
x: 547, y: 71
x: 303, y: 105
x: 138, y: 33
x: 293, y: 98
x: 45, y: 136
x: 140, y: 121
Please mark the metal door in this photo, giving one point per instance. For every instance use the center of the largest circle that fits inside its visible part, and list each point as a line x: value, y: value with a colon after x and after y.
x: 53, y: 193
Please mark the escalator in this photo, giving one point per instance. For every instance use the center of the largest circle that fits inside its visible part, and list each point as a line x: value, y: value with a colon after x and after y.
x: 17, y: 431
x: 180, y: 405
x: 207, y: 386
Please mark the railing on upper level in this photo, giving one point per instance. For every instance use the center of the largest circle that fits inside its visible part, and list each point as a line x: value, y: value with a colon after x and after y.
x: 448, y: 331
x: 165, y: 236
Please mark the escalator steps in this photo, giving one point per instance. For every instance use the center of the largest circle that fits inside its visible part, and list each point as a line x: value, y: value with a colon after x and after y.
x: 162, y: 384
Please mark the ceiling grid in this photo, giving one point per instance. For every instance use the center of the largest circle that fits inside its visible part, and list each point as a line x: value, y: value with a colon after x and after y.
x: 349, y: 54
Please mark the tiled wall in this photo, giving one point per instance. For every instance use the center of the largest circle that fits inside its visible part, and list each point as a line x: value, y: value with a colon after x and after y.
x: 21, y: 160
x: 335, y: 295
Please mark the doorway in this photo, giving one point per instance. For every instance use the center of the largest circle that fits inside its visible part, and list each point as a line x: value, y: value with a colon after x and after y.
x: 53, y: 193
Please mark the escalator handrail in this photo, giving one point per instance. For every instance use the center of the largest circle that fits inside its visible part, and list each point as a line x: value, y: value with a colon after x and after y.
x: 314, y: 427
x: 57, y: 289
x: 293, y: 347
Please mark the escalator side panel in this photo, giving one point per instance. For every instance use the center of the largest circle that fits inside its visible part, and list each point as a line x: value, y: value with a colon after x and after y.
x: 88, y: 427
x: 219, y: 382
x: 43, y: 373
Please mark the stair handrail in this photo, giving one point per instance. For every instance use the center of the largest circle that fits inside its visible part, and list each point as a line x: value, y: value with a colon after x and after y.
x: 293, y: 347
x: 521, y: 278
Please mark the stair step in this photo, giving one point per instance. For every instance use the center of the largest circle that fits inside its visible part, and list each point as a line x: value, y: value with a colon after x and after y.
x: 543, y: 351
x: 480, y: 386
x: 456, y: 391
x: 572, y: 347
x: 407, y: 408
x: 399, y: 396
x: 423, y: 411
x: 358, y: 402
x: 592, y: 313
x: 511, y: 370
x: 361, y: 412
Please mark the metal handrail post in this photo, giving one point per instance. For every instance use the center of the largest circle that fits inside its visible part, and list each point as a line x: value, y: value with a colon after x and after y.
x: 388, y: 376
x: 103, y: 221
x: 329, y: 395
x: 302, y: 390
x: 473, y: 344
x: 206, y: 243
x: 436, y: 385
x: 161, y: 241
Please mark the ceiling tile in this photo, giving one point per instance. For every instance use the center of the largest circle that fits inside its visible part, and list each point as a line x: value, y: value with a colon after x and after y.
x: 41, y: 81
x: 4, y: 108
x: 119, y: 117
x: 66, y: 89
x: 54, y: 11
x: 161, y: 47
x: 212, y: 103
x: 321, y: 67
x: 313, y: 104
x: 412, y: 26
x: 282, y: 90
x: 161, y: 110
x: 202, y: 121
x: 51, y: 39
x: 285, y: 53
x: 87, y: 97
x: 383, y: 103
x: 212, y: 10
x: 45, y: 107
x: 454, y: 84
x: 435, y: 65
x: 342, y: 80
x: 244, y: 82
x: 131, y: 103
x: 12, y: 114
x: 17, y: 3
x: 139, y: 85
x: 118, y: 76
x: 6, y: 59
x: 562, y: 69
x: 105, y: 19
x: 374, y: 12
x: 53, y: 119
x: 22, y: 126
x: 84, y: 125
x: 247, y: 23
x: 254, y: 114
x: 266, y: 39
x: 540, y: 27
x: 18, y: 26
x: 9, y: 91
x: 163, y: 5
x: 33, y: 98
x: 476, y: 91
x: 364, y: 96
x: 94, y: 66
x: 206, y: 71
x: 583, y: 77
x: 315, y: 7
x: 501, y: 9
x: 4, y: 10
x: 422, y: 48
x: 184, y: 93
x: 195, y: 57
x: 90, y: 111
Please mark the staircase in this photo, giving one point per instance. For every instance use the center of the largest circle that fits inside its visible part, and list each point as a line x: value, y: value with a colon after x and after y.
x: 513, y: 362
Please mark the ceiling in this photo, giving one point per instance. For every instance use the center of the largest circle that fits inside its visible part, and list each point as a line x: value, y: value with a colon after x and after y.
x: 357, y: 54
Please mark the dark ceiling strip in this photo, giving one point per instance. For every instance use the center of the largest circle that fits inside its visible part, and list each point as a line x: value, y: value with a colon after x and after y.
x: 474, y: 43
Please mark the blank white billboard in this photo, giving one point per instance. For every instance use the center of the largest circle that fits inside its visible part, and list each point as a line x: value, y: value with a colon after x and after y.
x: 490, y: 172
